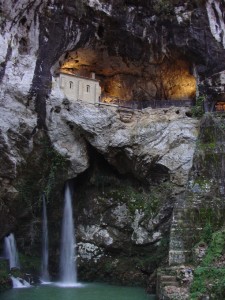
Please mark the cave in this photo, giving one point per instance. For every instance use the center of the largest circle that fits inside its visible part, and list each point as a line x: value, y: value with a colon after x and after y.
x: 125, y: 81
x: 106, y: 204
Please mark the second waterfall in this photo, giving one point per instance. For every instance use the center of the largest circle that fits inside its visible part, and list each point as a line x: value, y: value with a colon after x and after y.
x: 68, y: 273
x: 44, y: 266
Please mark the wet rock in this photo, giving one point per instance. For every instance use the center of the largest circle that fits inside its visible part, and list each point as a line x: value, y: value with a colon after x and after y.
x: 173, y: 292
x: 200, y: 252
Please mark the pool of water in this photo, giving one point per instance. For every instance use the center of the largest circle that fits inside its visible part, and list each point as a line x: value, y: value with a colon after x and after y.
x: 90, y: 291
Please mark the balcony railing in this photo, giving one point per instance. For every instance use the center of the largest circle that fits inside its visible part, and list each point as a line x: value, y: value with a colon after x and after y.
x: 139, y: 105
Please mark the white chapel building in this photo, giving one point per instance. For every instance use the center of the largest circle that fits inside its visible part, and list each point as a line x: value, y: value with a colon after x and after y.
x: 80, y: 88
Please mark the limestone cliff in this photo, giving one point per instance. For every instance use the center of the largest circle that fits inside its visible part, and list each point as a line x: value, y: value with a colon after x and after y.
x: 138, y: 49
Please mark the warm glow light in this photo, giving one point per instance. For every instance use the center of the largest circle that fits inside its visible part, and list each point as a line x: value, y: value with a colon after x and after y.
x: 220, y: 106
x: 133, y: 81
x: 109, y: 99
x: 177, y: 81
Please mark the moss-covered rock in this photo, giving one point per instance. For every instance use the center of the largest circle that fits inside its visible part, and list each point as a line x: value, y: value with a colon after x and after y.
x: 122, y: 226
x: 210, y: 273
x: 5, y: 281
x: 202, y: 205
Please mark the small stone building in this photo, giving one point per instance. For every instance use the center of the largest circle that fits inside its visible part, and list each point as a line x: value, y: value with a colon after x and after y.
x: 80, y: 88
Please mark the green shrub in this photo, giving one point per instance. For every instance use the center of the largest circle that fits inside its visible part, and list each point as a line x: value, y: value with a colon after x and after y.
x: 198, y: 109
x: 207, y: 233
x: 163, y: 7
x: 209, y: 279
x: 5, y: 281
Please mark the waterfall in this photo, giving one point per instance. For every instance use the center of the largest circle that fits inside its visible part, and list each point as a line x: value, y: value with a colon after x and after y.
x: 19, y: 283
x: 68, y: 275
x: 11, y: 251
x: 44, y: 265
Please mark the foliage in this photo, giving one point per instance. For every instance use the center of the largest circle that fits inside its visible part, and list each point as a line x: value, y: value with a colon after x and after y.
x: 4, y: 267
x: 202, y: 182
x: 207, y: 146
x: 31, y: 263
x: 40, y: 174
x: 207, y: 233
x: 210, y: 218
x: 216, y: 248
x: 57, y: 164
x: 5, y: 282
x: 198, y: 109
x: 156, y: 258
x: 208, y: 278
x: 147, y: 201
x: 163, y: 7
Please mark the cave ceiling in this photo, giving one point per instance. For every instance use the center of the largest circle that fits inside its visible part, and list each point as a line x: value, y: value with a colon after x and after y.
x: 124, y: 79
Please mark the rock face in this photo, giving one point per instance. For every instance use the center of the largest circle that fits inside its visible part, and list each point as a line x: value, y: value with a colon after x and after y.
x: 41, y: 35
x: 45, y: 139
x: 16, y: 144
x: 199, y: 211
x: 115, y: 217
x: 124, y: 79
x: 163, y: 138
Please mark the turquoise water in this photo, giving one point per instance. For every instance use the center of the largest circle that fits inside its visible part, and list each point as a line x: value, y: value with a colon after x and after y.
x: 86, y: 292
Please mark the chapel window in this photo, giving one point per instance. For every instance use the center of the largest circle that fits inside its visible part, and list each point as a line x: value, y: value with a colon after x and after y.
x: 71, y: 84
x: 88, y: 89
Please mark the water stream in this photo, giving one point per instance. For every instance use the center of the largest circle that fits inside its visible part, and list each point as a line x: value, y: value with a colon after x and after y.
x: 19, y: 283
x: 68, y: 273
x: 44, y: 266
x: 10, y: 251
x: 87, y: 292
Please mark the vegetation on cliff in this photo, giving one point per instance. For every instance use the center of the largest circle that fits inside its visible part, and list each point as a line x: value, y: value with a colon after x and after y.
x: 205, y: 210
x: 209, y: 276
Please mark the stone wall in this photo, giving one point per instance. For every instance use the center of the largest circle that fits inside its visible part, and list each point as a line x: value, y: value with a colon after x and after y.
x: 78, y: 88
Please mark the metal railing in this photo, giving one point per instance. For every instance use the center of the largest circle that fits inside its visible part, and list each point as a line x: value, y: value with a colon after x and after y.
x: 139, y: 105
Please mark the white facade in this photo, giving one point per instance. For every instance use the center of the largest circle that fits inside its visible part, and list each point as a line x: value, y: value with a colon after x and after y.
x: 80, y: 88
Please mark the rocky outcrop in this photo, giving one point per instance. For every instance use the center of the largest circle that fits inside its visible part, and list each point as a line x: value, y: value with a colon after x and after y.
x: 214, y: 88
x: 152, y: 140
x: 151, y: 34
x: 174, y: 282
x: 155, y: 148
x: 16, y: 144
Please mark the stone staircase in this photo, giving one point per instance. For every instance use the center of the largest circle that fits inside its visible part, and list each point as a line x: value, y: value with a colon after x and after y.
x: 181, y: 233
x: 165, y: 277
x: 166, y: 280
x: 126, y: 115
x: 173, y: 283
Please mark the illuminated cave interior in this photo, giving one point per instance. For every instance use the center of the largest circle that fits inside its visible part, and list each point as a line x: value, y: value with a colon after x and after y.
x: 121, y: 79
x: 220, y: 106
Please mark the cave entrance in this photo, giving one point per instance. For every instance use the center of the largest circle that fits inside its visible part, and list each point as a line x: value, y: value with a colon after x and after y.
x: 122, y: 223
x: 122, y: 81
